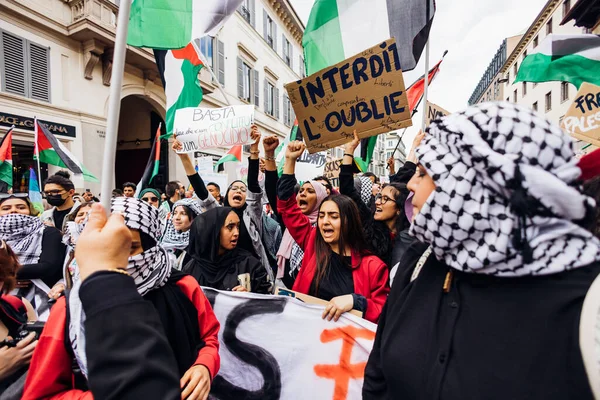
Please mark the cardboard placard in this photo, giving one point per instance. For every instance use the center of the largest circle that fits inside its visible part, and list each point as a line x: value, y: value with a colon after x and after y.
x: 332, y: 169
x: 308, y: 299
x: 434, y: 112
x: 582, y: 121
x: 206, y: 128
x: 365, y: 93
x: 309, y: 166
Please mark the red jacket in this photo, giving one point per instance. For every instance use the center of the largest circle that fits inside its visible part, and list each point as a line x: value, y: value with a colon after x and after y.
x: 369, y: 273
x: 50, y: 375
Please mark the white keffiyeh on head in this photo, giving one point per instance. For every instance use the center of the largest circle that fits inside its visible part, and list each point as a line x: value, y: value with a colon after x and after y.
x: 505, y: 202
x: 177, y: 240
x: 150, y: 270
x: 23, y: 233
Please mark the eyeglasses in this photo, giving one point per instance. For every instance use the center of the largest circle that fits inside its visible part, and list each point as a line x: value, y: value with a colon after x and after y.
x: 153, y: 199
x: 383, y: 199
x: 4, y: 196
x: 242, y: 189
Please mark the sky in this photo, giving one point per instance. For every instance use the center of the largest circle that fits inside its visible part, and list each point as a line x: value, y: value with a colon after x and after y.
x: 471, y: 31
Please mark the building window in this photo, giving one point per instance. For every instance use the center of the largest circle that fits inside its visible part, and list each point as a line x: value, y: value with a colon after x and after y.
x: 287, y: 52
x: 515, y: 68
x: 524, y: 89
x: 288, y: 111
x: 302, y: 68
x: 549, y: 27
x: 535, y: 106
x: 566, y: 7
x: 269, y: 30
x: 515, y: 96
x: 247, y: 83
x: 25, y: 67
x: 548, y: 101
x: 564, y: 92
x: 206, y: 47
x: 245, y: 10
x: 271, y: 99
x: 508, y: 77
x: 535, y: 42
x: 524, y: 55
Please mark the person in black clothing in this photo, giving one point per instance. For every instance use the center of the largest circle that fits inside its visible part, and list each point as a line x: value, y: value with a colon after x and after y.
x: 129, y: 189
x: 217, y: 260
x: 387, y: 227
x: 39, y: 248
x: 128, y: 358
x: 59, y: 191
x: 491, y: 310
x: 215, y: 190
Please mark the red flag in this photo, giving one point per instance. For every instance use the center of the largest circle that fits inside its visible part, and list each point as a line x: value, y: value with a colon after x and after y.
x: 416, y: 90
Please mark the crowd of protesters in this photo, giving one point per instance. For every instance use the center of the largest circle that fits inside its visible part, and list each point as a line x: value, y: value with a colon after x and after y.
x: 474, y: 261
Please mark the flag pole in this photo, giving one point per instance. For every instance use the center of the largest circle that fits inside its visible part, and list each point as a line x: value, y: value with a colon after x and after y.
x: 114, y: 105
x: 425, y: 93
x: 212, y: 73
x: 37, y: 150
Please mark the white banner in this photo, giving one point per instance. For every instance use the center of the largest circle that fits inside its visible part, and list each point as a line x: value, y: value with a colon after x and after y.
x: 275, y: 347
x: 309, y: 166
x: 205, y: 128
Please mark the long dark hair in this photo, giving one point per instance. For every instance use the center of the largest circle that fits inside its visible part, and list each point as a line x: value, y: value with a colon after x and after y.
x: 351, y: 235
x: 401, y: 194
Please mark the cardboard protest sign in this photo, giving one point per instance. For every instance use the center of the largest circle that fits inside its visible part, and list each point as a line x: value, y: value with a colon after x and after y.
x: 434, y: 112
x: 257, y: 360
x: 205, y: 128
x: 582, y: 121
x: 365, y: 92
x: 309, y: 166
x: 332, y: 169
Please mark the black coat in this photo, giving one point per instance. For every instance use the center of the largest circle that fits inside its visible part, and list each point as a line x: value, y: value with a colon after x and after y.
x: 486, y: 338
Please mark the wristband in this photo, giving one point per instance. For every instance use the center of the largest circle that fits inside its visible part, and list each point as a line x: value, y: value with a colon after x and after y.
x: 349, y: 155
x: 254, y: 152
x: 269, y: 158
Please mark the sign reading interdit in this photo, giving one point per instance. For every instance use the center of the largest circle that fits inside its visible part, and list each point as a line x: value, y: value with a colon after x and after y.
x: 205, y: 128
x: 582, y: 121
x: 364, y: 93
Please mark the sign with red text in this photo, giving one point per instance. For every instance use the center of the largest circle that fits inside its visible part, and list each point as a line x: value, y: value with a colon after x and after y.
x: 365, y: 93
x: 207, y: 128
x: 276, y: 347
x: 582, y: 121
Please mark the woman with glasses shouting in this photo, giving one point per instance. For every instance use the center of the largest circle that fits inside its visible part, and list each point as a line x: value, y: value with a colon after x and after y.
x: 387, y: 227
x: 38, y: 247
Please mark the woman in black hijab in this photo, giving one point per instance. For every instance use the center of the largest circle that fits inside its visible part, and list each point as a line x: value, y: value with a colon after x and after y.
x: 217, y: 260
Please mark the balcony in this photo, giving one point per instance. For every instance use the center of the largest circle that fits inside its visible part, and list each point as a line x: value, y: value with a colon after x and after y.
x: 245, y: 13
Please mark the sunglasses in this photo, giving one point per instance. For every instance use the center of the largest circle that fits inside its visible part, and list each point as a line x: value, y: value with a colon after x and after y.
x: 4, y: 196
x: 152, y: 199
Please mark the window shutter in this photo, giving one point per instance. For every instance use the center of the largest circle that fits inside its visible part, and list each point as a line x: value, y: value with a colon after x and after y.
x: 240, y: 74
x: 291, y: 56
x: 276, y: 101
x: 221, y: 62
x: 13, y: 64
x: 256, y: 94
x: 284, y: 50
x: 265, y: 21
x: 285, y: 110
x: 40, y: 74
x: 266, y: 83
x: 275, y: 36
x: 252, y: 13
x: 302, y: 68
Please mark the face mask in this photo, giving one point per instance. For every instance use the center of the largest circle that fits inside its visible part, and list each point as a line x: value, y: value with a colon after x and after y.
x: 55, y: 200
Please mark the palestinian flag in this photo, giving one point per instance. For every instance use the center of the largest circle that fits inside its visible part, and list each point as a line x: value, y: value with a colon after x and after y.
x: 153, y: 163
x: 233, y: 155
x: 6, y: 162
x: 339, y: 29
x: 51, y: 151
x: 35, y: 194
x: 179, y: 71
x: 565, y: 58
x: 172, y: 24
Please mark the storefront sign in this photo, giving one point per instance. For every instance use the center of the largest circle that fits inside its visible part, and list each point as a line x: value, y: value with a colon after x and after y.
x: 26, y: 123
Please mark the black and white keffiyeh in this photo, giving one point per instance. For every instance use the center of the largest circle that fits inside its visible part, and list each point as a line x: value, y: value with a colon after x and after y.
x: 505, y: 202
x: 174, y: 239
x: 150, y: 269
x: 364, y: 186
x: 23, y: 233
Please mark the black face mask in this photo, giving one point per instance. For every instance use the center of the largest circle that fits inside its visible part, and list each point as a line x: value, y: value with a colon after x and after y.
x: 55, y: 200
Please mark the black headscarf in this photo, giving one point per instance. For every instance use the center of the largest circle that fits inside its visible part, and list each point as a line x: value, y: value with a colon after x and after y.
x: 245, y: 242
x: 206, y: 265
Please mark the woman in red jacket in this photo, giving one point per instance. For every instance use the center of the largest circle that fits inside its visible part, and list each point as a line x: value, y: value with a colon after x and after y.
x: 186, y: 315
x: 336, y: 266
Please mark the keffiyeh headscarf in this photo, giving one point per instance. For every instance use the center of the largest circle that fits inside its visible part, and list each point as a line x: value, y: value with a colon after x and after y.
x: 23, y: 233
x: 505, y: 202
x: 364, y: 186
x: 289, y: 249
x: 174, y: 239
x: 150, y: 269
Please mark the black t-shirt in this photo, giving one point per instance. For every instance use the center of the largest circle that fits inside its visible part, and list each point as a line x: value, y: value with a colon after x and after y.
x: 338, y: 280
x: 59, y: 217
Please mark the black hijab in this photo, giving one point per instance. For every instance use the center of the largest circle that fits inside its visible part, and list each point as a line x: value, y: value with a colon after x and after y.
x: 245, y: 242
x: 206, y: 265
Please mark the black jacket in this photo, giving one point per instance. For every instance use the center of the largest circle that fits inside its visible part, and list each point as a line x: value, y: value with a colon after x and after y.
x: 128, y: 358
x: 486, y: 338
